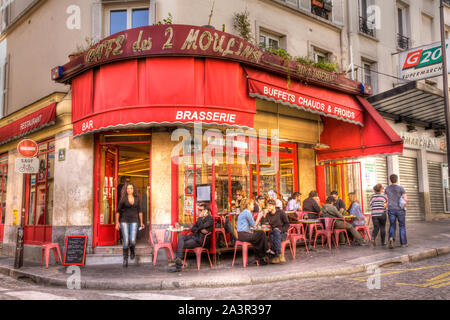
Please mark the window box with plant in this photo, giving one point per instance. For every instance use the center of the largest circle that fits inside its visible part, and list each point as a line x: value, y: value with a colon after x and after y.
x: 328, y: 5
x: 317, y: 3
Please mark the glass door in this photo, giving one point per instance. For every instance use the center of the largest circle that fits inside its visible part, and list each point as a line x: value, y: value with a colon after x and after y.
x: 108, y: 202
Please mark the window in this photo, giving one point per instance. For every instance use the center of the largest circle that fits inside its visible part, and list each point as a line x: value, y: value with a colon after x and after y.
x: 268, y: 40
x: 365, y: 26
x: 127, y: 18
x: 321, y: 56
x: 39, y: 201
x: 3, y: 185
x: 403, y: 41
x: 369, y: 75
x: 322, y: 8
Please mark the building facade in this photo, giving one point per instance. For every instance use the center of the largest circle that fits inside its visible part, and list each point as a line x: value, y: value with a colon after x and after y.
x: 94, y: 139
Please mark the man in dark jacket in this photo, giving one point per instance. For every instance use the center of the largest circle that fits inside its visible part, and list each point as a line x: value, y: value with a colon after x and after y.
x: 339, y: 204
x: 279, y: 223
x: 311, y: 205
x: 329, y: 210
x: 201, y: 228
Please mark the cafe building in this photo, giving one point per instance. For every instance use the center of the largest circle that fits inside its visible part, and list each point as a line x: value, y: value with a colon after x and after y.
x: 190, y: 114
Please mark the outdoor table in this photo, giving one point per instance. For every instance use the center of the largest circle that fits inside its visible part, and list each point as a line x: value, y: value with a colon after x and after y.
x: 265, y: 228
x: 350, y: 218
x: 310, y: 223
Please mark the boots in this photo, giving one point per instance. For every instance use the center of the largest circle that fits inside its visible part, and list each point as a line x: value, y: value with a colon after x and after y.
x: 132, y: 253
x: 125, y: 258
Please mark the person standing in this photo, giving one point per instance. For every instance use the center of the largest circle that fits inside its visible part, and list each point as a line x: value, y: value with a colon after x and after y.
x: 129, y: 215
x: 397, y: 202
x: 378, y: 204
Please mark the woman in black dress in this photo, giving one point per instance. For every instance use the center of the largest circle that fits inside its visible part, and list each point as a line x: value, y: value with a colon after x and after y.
x: 128, y: 216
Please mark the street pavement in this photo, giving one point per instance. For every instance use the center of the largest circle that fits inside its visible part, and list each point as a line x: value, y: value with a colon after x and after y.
x: 425, y: 280
x: 426, y: 240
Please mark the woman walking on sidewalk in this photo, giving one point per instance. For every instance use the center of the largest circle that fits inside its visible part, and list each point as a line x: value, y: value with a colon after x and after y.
x: 378, y: 206
x: 128, y: 216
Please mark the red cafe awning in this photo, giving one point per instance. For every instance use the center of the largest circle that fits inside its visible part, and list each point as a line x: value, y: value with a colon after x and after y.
x: 32, y: 122
x: 294, y: 94
x: 350, y: 141
x: 161, y: 91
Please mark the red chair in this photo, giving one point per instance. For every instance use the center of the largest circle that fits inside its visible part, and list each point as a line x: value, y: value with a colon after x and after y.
x: 158, y: 241
x: 337, y: 232
x: 314, y: 226
x: 46, y: 248
x: 198, y: 252
x: 299, y: 235
x: 245, y: 246
x: 222, y: 229
x: 327, y: 232
x: 288, y: 241
x: 364, y: 229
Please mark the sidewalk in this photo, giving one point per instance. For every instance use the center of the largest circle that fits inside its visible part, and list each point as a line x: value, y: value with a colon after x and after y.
x: 426, y: 240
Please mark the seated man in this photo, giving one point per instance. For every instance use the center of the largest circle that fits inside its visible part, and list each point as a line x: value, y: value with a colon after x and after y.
x: 203, y: 226
x: 279, y: 223
x: 329, y: 210
x: 311, y: 205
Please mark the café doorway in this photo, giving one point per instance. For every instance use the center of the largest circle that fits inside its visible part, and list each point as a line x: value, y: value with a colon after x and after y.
x: 121, y: 158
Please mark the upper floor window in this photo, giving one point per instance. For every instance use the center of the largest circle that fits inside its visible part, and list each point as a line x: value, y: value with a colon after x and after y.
x: 269, y: 40
x: 403, y: 41
x: 366, y: 23
x: 123, y: 19
x: 322, y: 8
x: 321, y: 56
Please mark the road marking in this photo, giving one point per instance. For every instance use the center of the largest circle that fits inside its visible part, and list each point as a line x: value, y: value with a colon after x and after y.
x: 364, y: 278
x: 36, y: 295
x: 440, y: 281
x: 148, y: 296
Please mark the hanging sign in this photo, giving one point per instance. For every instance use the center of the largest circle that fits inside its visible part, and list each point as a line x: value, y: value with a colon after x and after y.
x: 27, y: 148
x: 422, y: 63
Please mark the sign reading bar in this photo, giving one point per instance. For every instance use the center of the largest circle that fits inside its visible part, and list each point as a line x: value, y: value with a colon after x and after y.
x: 27, y: 165
x: 75, y: 250
x: 422, y: 63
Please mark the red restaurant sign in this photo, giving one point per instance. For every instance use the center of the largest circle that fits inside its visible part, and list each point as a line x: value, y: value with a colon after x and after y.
x: 308, y: 98
x: 32, y: 122
x: 193, y: 41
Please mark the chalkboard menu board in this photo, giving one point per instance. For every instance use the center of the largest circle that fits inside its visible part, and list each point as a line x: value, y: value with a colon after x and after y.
x: 75, y: 251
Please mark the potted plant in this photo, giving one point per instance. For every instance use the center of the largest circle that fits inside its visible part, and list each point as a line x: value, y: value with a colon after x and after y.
x: 317, y: 3
x: 328, y: 5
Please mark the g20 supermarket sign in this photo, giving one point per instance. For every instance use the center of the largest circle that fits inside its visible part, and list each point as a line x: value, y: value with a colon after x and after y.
x: 422, y: 63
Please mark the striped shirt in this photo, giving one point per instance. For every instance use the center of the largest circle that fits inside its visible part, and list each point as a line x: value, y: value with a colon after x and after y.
x: 377, y: 202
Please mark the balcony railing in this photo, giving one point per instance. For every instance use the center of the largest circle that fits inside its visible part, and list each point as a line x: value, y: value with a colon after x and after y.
x: 403, y: 42
x: 321, y: 12
x: 366, y: 27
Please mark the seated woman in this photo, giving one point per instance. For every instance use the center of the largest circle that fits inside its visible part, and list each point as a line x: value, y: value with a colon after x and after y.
x: 355, y: 210
x: 256, y: 238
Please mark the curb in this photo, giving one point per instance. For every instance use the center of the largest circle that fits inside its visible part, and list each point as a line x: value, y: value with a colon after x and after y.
x: 164, y: 284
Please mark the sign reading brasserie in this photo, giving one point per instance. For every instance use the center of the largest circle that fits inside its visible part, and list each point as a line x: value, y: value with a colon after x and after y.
x: 184, y: 40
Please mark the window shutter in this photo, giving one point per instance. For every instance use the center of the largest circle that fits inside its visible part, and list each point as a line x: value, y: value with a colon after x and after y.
x: 338, y: 12
x: 305, y: 4
x: 292, y: 2
x: 5, y: 86
x: 6, y: 16
x: 97, y: 21
x: 152, y: 13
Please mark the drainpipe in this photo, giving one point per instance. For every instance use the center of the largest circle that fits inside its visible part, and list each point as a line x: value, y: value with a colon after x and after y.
x: 350, y: 36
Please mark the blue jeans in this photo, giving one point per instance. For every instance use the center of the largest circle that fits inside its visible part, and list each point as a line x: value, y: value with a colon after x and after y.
x: 399, y: 215
x: 129, y: 232
x: 276, y: 237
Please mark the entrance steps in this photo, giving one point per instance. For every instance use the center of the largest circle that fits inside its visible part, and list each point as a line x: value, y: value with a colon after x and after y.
x: 114, y: 255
